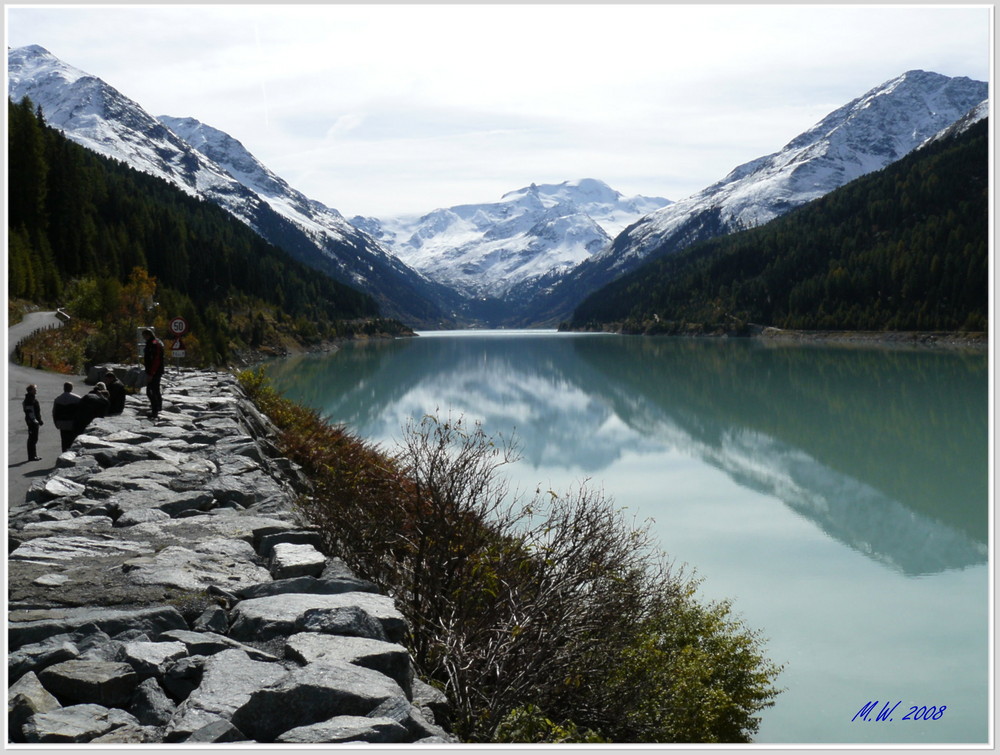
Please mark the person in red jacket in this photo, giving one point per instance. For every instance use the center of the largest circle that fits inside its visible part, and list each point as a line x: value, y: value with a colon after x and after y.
x: 152, y: 357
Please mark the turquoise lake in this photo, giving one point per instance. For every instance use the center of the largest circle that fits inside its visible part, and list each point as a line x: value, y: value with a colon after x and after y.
x: 840, y: 496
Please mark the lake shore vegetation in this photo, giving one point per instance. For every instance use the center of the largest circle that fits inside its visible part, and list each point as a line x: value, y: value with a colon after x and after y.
x: 548, y: 617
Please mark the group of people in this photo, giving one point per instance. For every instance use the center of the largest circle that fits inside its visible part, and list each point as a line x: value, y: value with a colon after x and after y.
x: 72, y: 413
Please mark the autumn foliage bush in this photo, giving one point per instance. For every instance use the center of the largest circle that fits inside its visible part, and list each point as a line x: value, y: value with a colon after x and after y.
x: 544, y: 618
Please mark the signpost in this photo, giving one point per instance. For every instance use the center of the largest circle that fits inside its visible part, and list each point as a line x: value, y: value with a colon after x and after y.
x: 178, y: 327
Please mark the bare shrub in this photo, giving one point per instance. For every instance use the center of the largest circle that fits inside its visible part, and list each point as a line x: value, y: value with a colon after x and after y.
x: 553, y: 618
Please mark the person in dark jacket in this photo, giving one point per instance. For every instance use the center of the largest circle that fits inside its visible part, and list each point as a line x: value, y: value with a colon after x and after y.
x: 33, y: 419
x: 94, y: 404
x: 116, y: 392
x: 64, y: 415
x: 152, y: 357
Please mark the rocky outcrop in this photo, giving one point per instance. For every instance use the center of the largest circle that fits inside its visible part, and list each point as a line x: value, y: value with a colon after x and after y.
x: 163, y: 589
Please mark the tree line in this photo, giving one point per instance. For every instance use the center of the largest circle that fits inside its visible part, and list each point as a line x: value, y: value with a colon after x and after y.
x: 81, y: 225
x: 905, y: 248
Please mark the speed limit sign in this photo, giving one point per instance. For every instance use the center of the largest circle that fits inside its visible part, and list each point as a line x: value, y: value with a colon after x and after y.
x: 178, y: 326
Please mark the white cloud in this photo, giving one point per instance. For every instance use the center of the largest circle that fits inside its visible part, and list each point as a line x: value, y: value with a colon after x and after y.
x: 377, y: 109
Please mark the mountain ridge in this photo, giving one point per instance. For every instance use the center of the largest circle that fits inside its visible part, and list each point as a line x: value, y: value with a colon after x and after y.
x: 526, y: 260
x: 901, y: 249
x: 490, y: 249
x: 864, y: 135
x: 98, y: 116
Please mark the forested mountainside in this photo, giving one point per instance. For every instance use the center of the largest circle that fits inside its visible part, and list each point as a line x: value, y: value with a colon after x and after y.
x: 207, y: 163
x: 865, y: 135
x: 905, y: 248
x: 73, y: 214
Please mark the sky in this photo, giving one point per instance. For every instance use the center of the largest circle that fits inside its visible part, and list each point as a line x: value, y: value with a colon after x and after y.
x: 389, y: 109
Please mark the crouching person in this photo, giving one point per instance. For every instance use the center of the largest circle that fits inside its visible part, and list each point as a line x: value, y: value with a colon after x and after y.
x: 94, y: 404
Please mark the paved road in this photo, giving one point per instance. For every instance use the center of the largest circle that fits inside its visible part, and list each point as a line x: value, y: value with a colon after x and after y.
x: 20, y: 472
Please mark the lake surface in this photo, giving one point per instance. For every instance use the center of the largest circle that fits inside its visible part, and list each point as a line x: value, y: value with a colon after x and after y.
x: 839, y: 496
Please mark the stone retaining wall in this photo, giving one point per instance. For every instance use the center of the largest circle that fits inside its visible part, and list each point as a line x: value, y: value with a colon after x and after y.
x: 162, y: 589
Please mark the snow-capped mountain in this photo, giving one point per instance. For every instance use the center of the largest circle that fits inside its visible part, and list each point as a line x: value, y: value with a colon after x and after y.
x: 864, y: 135
x: 208, y: 163
x: 487, y: 250
x: 527, y: 259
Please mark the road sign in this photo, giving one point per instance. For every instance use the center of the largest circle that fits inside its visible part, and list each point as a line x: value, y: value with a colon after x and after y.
x: 177, y: 349
x: 178, y: 326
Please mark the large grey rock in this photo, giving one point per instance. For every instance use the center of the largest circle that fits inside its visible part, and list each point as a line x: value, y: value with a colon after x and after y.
x: 149, y: 659
x: 385, y: 657
x: 281, y: 615
x: 34, y: 626
x: 297, y: 537
x: 171, y: 502
x: 348, y: 729
x: 310, y: 695
x: 76, y: 525
x: 219, y: 730
x: 212, y: 620
x: 25, y: 698
x: 432, y: 702
x: 290, y: 560
x: 150, y: 704
x: 229, y: 681
x: 210, y: 643
x: 39, y: 655
x: 218, y: 561
x: 183, y: 677
x: 402, y: 711
x: 128, y: 437
x: 141, y: 515
x: 98, y: 646
x: 306, y: 586
x: 246, y: 489
x: 100, y: 682
x: 350, y: 621
x: 55, y: 487
x: 128, y: 734
x: 139, y: 475
x: 76, y: 723
x: 221, y: 523
x: 69, y: 549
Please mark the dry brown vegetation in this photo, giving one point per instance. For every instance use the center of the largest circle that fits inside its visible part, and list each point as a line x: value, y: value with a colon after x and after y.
x: 544, y: 619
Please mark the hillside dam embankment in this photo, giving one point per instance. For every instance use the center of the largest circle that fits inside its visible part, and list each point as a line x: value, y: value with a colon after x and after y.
x: 163, y: 588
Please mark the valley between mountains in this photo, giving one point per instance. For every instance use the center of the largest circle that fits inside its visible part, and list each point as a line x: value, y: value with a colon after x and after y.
x: 531, y: 257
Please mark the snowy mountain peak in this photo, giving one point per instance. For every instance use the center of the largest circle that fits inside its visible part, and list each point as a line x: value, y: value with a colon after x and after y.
x: 866, y: 134
x: 488, y: 250
x: 41, y: 64
x: 582, y: 191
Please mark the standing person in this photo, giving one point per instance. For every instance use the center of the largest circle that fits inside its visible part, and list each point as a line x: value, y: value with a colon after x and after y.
x: 152, y: 357
x: 64, y: 414
x: 116, y: 391
x: 94, y: 404
x: 33, y: 419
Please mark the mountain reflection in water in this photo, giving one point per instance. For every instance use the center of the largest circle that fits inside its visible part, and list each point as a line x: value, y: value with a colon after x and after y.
x: 885, y: 450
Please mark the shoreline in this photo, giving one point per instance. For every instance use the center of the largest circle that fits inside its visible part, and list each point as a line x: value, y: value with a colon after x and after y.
x: 769, y: 335
x: 880, y: 338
